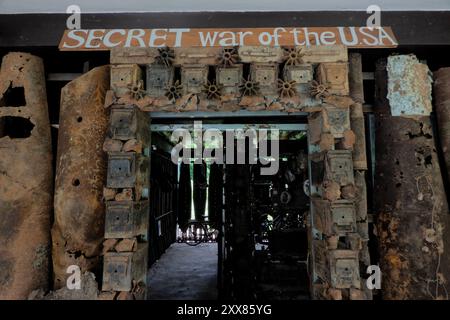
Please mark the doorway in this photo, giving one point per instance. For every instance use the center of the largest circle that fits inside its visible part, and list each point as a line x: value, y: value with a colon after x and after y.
x: 257, y: 246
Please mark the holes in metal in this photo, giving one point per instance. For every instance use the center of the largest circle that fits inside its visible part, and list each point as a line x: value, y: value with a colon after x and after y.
x: 13, y: 97
x: 15, y: 127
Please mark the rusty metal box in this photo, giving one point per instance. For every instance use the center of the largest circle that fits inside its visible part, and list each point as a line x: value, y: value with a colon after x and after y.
x: 335, y: 75
x: 267, y: 76
x: 193, y: 78
x: 120, y: 270
x: 340, y: 167
x: 336, y: 121
x: 301, y: 74
x: 123, y: 123
x: 121, y: 170
x: 126, y: 219
x: 123, y: 77
x: 344, y: 269
x: 158, y: 78
x: 337, y: 218
x: 229, y: 78
x: 128, y: 170
x: 128, y: 122
x: 334, y: 165
x: 332, y: 120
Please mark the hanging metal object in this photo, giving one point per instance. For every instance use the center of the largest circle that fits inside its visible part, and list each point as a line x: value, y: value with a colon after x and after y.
x: 286, y: 89
x: 166, y: 56
x: 212, y: 90
x: 173, y: 92
x: 293, y: 56
x: 228, y: 57
x: 249, y: 87
x: 319, y: 90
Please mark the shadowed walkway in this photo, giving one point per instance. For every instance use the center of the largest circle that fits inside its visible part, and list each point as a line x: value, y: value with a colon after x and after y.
x: 185, y: 272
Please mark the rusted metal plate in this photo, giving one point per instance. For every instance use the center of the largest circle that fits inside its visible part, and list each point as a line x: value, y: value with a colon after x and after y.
x: 413, y: 220
x: 261, y: 54
x: 358, y: 127
x: 335, y: 166
x: 193, y: 78
x: 337, y: 218
x: 26, y: 179
x: 122, y: 169
x: 126, y: 219
x: 266, y: 75
x: 344, y: 269
x: 335, y: 76
x: 121, y: 269
x: 442, y: 107
x: 80, y: 175
x: 124, y: 77
x: 229, y: 78
x: 409, y: 86
x: 301, y: 74
x: 197, y: 55
x: 331, y: 120
x: 133, y: 55
x: 159, y: 77
x: 320, y: 54
x: 339, y: 167
x: 129, y: 170
x: 356, y: 111
x: 127, y: 123
x: 355, y: 77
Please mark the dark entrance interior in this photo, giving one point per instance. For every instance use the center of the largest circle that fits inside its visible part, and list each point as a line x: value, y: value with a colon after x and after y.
x: 257, y: 246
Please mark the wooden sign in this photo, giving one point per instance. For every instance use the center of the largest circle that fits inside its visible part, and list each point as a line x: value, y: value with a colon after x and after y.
x: 105, y: 39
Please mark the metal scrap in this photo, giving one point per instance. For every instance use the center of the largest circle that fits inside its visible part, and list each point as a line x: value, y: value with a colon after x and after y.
x: 409, y: 86
x: 26, y: 179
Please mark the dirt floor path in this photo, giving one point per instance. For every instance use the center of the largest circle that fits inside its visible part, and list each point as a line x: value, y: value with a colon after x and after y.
x: 185, y: 272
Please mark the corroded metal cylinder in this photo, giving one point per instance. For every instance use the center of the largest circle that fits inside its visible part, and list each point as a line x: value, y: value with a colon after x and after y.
x: 26, y: 179
x: 355, y: 77
x: 358, y: 128
x: 356, y: 111
x: 78, y: 228
x: 442, y: 107
x: 412, y: 219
